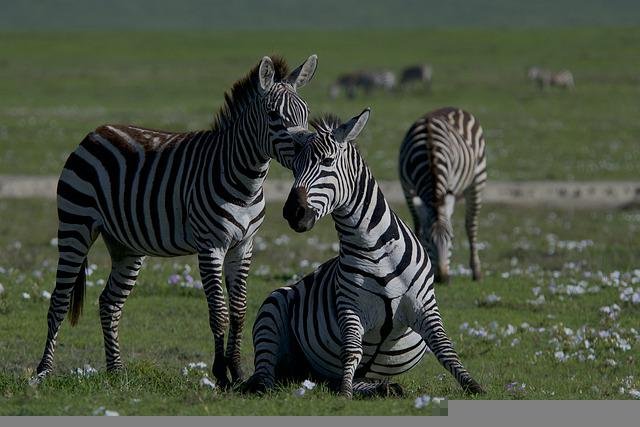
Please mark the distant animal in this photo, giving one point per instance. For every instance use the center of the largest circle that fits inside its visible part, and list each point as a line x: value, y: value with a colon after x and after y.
x: 363, y: 81
x: 370, y: 312
x: 442, y: 158
x: 546, y: 78
x: 420, y: 74
x: 166, y: 194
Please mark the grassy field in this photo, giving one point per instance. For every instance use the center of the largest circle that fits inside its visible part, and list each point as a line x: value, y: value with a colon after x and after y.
x: 505, y: 332
x: 55, y: 87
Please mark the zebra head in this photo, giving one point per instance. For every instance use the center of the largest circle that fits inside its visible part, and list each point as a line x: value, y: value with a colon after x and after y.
x: 287, y: 112
x: 325, y: 171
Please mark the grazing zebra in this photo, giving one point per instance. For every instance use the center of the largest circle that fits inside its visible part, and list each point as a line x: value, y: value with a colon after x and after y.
x: 167, y: 194
x: 545, y: 78
x: 371, y: 311
x: 442, y: 158
x: 364, y: 80
x: 421, y: 74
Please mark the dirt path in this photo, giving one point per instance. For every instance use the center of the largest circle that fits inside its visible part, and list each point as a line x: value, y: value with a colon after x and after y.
x: 580, y: 195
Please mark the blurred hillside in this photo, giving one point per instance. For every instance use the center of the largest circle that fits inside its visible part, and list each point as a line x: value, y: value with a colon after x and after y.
x: 326, y: 14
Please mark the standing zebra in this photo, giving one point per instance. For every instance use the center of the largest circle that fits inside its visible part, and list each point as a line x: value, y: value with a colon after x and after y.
x: 168, y: 194
x: 364, y: 80
x: 372, y: 310
x: 421, y: 74
x: 545, y: 78
x: 442, y: 158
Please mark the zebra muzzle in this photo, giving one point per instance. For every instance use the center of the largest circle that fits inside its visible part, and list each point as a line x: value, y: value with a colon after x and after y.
x: 296, y: 211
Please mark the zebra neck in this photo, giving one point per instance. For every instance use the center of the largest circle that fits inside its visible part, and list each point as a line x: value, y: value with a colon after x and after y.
x: 245, y: 164
x: 366, y: 223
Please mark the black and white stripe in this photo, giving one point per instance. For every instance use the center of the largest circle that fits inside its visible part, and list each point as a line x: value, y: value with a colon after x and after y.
x: 166, y: 194
x: 371, y: 311
x: 442, y: 158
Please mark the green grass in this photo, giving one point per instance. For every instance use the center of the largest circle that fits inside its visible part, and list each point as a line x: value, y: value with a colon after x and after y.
x: 164, y: 328
x: 56, y: 87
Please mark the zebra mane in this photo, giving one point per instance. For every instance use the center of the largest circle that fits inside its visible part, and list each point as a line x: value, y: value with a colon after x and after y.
x: 243, y: 92
x: 326, y: 122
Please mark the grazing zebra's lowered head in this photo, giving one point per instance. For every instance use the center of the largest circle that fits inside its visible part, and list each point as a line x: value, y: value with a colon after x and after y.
x: 326, y: 170
x: 276, y: 88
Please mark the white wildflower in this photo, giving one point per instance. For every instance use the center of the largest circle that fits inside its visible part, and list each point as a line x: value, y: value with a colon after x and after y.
x: 560, y: 356
x: 299, y: 392
x: 54, y: 241
x: 206, y: 382
x: 438, y: 400
x: 422, y: 401
x: 86, y: 371
x: 26, y: 295
x: 510, y: 330
x: 108, y: 413
x: 45, y: 295
x: 309, y: 385
x: 492, y: 299
x: 634, y: 393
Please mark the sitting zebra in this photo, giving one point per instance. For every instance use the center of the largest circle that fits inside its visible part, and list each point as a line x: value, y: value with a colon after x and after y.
x: 370, y: 312
x: 168, y: 194
x: 545, y: 78
x: 363, y: 80
x: 442, y: 158
x: 421, y: 74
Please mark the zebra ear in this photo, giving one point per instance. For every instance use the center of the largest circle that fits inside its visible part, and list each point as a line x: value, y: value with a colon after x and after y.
x: 266, y: 73
x: 304, y: 73
x: 349, y: 131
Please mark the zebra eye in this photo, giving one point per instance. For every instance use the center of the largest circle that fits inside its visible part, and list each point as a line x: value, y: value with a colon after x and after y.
x: 327, y: 161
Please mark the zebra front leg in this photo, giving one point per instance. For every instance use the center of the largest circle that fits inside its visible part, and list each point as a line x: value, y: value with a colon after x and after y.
x: 122, y: 279
x: 429, y: 326
x: 236, y: 270
x: 74, y: 242
x: 351, y: 332
x: 473, y: 201
x: 210, y: 264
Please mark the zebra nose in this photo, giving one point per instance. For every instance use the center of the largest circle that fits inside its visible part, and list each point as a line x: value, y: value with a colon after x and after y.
x: 296, y: 211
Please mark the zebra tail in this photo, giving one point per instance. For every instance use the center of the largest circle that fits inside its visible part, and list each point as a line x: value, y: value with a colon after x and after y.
x: 77, y: 295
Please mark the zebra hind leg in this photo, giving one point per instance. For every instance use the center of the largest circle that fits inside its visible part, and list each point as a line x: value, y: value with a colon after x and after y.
x: 123, y: 276
x: 473, y: 202
x: 432, y: 331
x: 74, y: 241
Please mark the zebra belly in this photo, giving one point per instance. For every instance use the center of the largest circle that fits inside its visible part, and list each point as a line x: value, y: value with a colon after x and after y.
x: 129, y: 210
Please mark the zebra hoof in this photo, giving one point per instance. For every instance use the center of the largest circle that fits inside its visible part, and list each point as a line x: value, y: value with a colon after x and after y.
x: 394, y: 390
x: 115, y: 369
x: 254, y: 385
x: 39, y: 378
x: 219, y: 372
x: 473, y: 387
